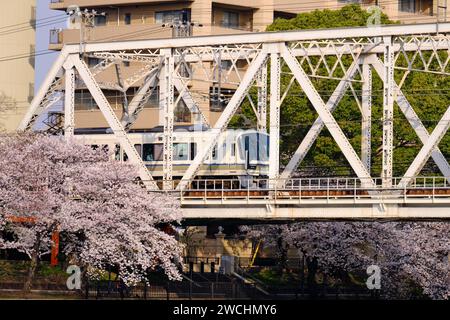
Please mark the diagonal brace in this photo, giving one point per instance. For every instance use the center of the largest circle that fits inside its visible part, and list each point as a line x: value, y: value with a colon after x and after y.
x: 327, y: 117
x: 114, y: 123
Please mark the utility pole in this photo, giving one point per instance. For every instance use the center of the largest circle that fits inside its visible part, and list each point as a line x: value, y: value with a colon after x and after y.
x: 86, y: 19
x: 441, y: 7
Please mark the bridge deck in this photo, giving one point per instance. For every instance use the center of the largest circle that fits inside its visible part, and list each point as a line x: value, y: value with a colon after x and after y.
x: 425, y: 197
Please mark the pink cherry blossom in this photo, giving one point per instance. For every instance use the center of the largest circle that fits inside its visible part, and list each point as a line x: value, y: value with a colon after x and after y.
x: 105, y: 216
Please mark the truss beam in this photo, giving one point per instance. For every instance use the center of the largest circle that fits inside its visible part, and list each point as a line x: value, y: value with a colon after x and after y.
x: 424, y: 154
x: 414, y: 121
x: 262, y: 99
x: 366, y: 108
x: 267, y: 37
x: 388, y: 114
x: 327, y: 117
x: 318, y: 124
x: 69, y: 100
x: 275, y: 104
x: 167, y: 107
x: 114, y: 123
x: 40, y: 102
x: 225, y: 117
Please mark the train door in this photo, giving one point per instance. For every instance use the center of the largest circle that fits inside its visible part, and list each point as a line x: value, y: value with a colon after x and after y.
x: 247, y: 151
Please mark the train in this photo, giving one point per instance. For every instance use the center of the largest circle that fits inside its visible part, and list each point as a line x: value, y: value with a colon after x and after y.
x: 237, y: 154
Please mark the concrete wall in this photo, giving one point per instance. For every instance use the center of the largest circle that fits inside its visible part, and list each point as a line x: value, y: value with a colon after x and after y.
x: 17, y: 75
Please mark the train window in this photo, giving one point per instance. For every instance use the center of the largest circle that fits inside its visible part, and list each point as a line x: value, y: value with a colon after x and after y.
x: 152, y: 152
x: 138, y: 148
x: 180, y: 151
x: 117, y: 152
x: 254, y: 146
x: 233, y: 149
x: 193, y: 150
x: 214, y: 152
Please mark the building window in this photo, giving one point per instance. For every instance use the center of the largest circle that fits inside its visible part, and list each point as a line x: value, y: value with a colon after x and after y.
x: 226, y: 64
x: 219, y: 98
x: 100, y: 20
x: 126, y: 63
x: 172, y: 16
x: 92, y: 62
x: 127, y: 18
x: 230, y: 19
x: 182, y: 112
x: 407, y: 6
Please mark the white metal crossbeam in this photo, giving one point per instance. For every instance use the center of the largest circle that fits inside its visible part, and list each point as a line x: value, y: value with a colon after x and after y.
x: 414, y: 121
x: 140, y: 99
x: 225, y: 118
x: 37, y: 107
x: 266, y: 37
x: 69, y: 99
x: 424, y: 154
x: 327, y: 117
x: 275, y: 86
x: 366, y: 125
x: 318, y: 124
x: 388, y: 114
x: 186, y: 95
x: 114, y: 123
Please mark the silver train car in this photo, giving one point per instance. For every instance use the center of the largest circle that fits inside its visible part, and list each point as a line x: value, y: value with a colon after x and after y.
x: 237, y: 153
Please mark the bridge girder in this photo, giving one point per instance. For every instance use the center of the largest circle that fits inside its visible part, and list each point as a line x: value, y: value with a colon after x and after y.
x: 303, y: 54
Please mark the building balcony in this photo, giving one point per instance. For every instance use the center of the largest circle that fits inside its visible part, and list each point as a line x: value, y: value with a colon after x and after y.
x: 64, y: 4
x: 60, y: 37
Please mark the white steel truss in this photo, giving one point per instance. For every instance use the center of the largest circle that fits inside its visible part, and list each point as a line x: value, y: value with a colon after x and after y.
x: 113, y: 121
x: 172, y: 65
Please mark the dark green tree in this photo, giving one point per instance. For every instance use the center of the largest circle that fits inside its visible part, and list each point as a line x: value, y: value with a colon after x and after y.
x: 427, y: 93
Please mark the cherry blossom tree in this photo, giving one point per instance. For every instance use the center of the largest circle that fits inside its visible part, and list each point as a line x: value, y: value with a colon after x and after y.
x: 409, y: 254
x: 119, y: 220
x: 48, y: 184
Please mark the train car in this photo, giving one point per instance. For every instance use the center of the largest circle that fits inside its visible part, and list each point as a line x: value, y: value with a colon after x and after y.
x: 237, y: 153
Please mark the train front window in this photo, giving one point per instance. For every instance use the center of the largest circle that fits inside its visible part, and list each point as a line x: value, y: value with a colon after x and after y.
x: 254, y: 147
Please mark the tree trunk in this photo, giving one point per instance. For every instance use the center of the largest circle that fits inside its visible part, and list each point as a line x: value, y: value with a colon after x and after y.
x: 311, y: 277
x: 33, y: 265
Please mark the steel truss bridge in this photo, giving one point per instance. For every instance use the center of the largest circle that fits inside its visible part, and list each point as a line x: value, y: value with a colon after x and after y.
x: 305, y: 54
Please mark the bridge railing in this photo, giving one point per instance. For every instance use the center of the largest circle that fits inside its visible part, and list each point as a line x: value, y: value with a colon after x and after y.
x: 315, y: 189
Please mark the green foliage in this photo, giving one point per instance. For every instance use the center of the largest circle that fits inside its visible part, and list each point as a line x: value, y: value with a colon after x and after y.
x: 349, y: 16
x: 270, y: 276
x: 426, y: 92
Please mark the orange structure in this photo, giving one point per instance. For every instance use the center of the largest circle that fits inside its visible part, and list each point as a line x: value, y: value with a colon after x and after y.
x: 55, y: 237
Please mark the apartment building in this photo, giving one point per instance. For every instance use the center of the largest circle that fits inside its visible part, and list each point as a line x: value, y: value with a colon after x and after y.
x: 406, y: 11
x: 144, y: 19
x: 139, y: 19
x: 17, y: 42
